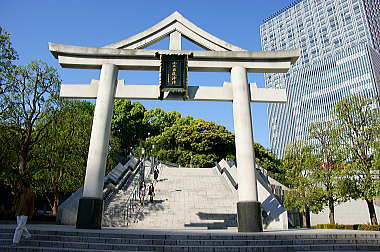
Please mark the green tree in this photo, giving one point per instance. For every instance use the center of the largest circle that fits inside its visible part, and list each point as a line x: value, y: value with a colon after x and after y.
x: 192, y: 142
x: 358, y: 120
x: 29, y: 98
x: 156, y: 120
x: 329, y: 175
x: 61, y: 157
x: 127, y: 124
x: 300, y: 164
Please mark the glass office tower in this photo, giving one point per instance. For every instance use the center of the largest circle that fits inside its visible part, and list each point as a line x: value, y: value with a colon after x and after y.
x: 340, y: 44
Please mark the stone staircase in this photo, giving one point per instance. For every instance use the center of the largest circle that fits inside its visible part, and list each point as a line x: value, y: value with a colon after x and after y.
x: 189, y: 198
x: 67, y: 238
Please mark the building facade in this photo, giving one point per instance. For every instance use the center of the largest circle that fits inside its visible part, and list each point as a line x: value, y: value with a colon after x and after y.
x: 340, y: 44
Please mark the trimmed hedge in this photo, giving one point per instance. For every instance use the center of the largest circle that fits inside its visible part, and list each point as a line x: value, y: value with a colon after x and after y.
x: 369, y: 227
x: 366, y: 227
x: 10, y: 215
x: 7, y: 215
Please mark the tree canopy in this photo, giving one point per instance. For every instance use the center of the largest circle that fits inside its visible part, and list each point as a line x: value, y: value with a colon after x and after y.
x: 358, y: 123
x: 127, y: 124
x: 59, y: 165
x: 300, y: 164
x: 330, y: 173
x: 7, y: 55
x: 192, y: 142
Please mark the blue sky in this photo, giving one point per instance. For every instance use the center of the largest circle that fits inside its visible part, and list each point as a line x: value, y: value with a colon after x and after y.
x: 97, y: 23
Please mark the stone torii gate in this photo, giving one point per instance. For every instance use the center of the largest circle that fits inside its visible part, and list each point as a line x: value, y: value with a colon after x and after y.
x: 128, y: 54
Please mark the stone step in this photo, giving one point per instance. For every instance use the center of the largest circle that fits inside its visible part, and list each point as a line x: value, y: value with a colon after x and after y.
x: 131, y: 247
x: 179, y: 235
x: 42, y: 249
x: 84, y: 239
x: 58, y: 238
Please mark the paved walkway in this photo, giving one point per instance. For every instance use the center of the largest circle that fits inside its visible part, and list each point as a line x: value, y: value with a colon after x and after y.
x: 184, y: 231
x: 189, y: 198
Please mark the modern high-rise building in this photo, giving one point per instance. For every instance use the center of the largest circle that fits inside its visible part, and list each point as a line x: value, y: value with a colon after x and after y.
x: 340, y: 44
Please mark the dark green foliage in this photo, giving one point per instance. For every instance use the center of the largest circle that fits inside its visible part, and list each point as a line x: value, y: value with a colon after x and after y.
x: 128, y: 124
x: 7, y: 55
x: 60, y: 159
x: 192, y: 142
x: 156, y: 120
x: 27, y: 106
x: 364, y: 227
x: 330, y: 173
x: 300, y: 164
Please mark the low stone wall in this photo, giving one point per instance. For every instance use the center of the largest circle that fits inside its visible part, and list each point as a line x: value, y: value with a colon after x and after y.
x: 275, y: 215
x: 67, y: 210
x: 351, y: 212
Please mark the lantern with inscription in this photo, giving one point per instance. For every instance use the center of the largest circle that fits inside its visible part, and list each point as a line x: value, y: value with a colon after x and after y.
x: 173, y: 74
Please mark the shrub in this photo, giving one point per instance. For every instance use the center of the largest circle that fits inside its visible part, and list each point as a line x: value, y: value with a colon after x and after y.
x: 366, y: 227
x: 7, y: 215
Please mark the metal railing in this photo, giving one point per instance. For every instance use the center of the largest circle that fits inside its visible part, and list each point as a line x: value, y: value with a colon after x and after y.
x: 114, y: 214
x: 131, y: 205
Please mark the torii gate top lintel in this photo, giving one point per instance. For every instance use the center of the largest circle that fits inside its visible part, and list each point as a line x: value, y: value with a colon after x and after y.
x: 290, y: 56
x: 174, y: 23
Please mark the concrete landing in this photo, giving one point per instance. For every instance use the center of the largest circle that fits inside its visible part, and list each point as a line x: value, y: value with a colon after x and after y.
x: 189, y: 198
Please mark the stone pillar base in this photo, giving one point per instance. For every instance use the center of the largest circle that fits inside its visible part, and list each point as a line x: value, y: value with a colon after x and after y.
x: 90, y: 211
x: 249, y: 216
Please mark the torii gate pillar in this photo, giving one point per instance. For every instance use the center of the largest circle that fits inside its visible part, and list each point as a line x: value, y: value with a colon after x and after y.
x: 248, y: 206
x: 90, y: 208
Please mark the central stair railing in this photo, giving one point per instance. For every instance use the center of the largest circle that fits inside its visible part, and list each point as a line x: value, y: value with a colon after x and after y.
x: 114, y: 213
x: 132, y: 208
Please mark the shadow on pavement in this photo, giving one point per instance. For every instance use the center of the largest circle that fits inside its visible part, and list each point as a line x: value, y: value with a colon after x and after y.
x: 222, y: 221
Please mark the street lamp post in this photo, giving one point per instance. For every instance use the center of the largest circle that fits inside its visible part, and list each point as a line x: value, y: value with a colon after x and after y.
x: 152, y: 164
x: 143, y: 165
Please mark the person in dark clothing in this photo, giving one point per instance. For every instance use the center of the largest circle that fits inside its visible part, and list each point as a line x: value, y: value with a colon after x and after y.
x: 155, y: 174
x: 24, y: 209
x: 151, y: 192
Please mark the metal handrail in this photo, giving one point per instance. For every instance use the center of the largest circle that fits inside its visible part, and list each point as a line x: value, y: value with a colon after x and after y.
x: 117, y: 212
x: 129, y: 207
